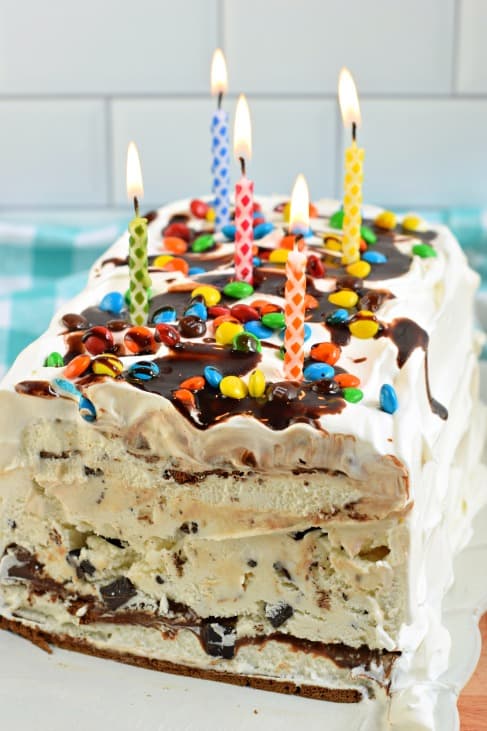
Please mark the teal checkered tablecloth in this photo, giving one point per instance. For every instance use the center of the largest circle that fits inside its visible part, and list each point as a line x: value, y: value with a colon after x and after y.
x: 42, y: 266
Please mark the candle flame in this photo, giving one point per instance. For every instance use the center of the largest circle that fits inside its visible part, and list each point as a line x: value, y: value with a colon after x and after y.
x: 242, y: 131
x: 135, y: 186
x: 299, y: 211
x: 219, y: 79
x: 348, y: 97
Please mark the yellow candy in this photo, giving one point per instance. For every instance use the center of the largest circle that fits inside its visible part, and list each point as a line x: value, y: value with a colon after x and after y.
x: 161, y: 261
x: 286, y: 212
x: 344, y: 298
x: 107, y: 365
x: 359, y: 269
x: 413, y: 222
x: 334, y: 243
x: 256, y: 384
x: 279, y: 256
x: 386, y: 220
x: 364, y: 329
x: 233, y: 386
x: 225, y: 332
x: 211, y: 295
x: 210, y: 214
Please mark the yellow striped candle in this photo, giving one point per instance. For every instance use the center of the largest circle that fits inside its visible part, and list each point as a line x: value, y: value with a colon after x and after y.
x: 354, y: 159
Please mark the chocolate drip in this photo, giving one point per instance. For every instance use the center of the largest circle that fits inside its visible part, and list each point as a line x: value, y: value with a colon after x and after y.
x: 407, y: 335
x: 285, y: 402
x: 41, y: 389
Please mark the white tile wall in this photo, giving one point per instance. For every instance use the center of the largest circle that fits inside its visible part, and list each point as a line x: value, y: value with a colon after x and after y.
x: 472, y: 66
x: 79, y: 79
x: 52, y: 153
x: 393, y: 46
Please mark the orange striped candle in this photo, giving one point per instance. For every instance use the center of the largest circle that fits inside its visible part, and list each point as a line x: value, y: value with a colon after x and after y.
x: 295, y: 288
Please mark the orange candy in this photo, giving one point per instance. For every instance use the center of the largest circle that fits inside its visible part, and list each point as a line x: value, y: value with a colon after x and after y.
x: 225, y: 318
x: 185, y: 396
x: 196, y: 383
x: 310, y: 302
x: 268, y: 308
x: 313, y: 211
x: 176, y: 265
x: 363, y: 245
x: 347, y: 380
x: 139, y: 339
x: 325, y: 353
x: 77, y: 366
x: 174, y: 244
x: 288, y: 242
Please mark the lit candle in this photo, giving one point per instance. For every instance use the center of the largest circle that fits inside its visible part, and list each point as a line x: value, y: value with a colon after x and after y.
x: 138, y: 263
x: 244, y: 195
x: 220, y: 144
x: 354, y: 159
x: 295, y: 288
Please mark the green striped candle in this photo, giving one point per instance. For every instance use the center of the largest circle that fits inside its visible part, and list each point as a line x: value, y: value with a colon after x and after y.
x: 138, y: 239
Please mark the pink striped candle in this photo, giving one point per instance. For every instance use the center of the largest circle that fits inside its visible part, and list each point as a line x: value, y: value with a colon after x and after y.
x: 244, y: 196
x: 295, y: 289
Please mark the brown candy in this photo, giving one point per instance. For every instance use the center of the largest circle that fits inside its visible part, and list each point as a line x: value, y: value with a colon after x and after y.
x: 72, y: 321
x: 192, y: 326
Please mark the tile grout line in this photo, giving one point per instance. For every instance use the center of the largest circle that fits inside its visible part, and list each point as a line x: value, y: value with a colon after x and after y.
x: 109, y: 152
x: 455, y: 47
x: 270, y: 95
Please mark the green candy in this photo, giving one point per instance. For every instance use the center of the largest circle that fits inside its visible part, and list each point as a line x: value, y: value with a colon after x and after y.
x: 246, y: 343
x: 368, y: 235
x: 274, y: 320
x: 203, y: 243
x: 425, y: 251
x: 54, y: 360
x: 353, y: 395
x: 238, y: 290
x: 336, y: 220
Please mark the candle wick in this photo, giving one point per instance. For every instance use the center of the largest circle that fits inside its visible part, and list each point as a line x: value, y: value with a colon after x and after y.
x: 220, y: 99
x: 354, y: 131
x: 242, y: 165
x: 136, y: 206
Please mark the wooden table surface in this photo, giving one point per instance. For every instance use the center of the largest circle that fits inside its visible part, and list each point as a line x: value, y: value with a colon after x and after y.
x: 473, y: 701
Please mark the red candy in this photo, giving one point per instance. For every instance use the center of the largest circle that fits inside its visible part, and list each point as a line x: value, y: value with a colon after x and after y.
x: 98, y: 340
x: 139, y: 340
x: 179, y: 230
x: 258, y: 220
x: 198, y: 208
x: 325, y: 352
x: 244, y: 313
x: 256, y: 206
x: 167, y: 334
x: 314, y: 266
x: 218, y: 311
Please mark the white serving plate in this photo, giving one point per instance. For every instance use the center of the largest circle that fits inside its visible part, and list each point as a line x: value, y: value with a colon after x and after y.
x: 70, y: 692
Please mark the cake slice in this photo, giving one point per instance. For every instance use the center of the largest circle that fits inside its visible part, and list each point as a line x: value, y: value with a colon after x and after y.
x: 298, y: 539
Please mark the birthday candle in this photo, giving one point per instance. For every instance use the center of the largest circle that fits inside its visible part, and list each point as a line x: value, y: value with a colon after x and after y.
x: 244, y: 196
x: 220, y: 144
x: 138, y: 262
x: 295, y: 287
x: 354, y: 158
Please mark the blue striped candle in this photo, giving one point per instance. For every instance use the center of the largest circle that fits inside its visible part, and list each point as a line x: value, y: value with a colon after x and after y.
x: 220, y: 144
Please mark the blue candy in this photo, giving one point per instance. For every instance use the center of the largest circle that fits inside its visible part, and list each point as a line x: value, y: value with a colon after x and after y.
x: 257, y: 214
x: 167, y: 314
x: 112, y: 302
x: 256, y: 261
x: 194, y: 271
x: 66, y: 388
x: 388, y: 399
x: 255, y: 327
x: 87, y: 410
x: 229, y: 231
x: 338, y: 316
x: 212, y: 376
x: 144, y: 370
x: 307, y: 332
x: 374, y: 257
x: 262, y: 229
x: 317, y: 371
x: 197, y: 309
